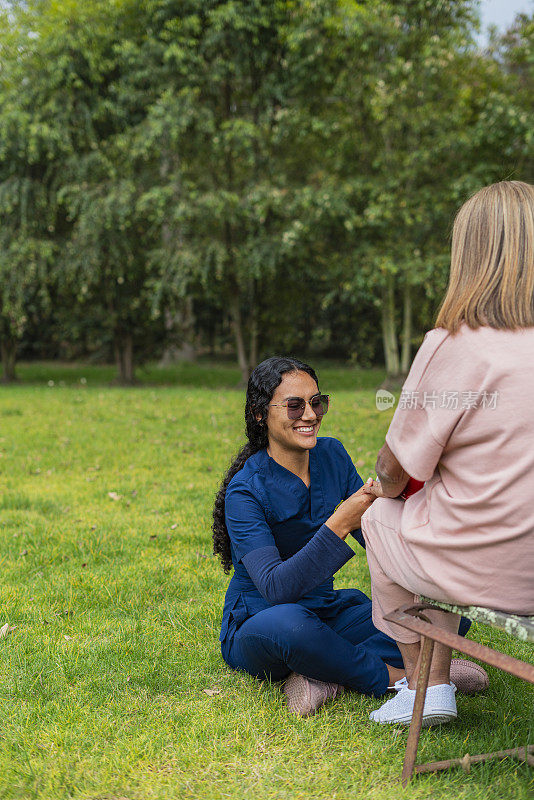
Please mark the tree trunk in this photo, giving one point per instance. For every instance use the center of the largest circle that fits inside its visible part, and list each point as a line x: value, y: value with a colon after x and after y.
x: 389, y: 334
x: 253, y: 340
x: 235, y: 311
x: 179, y: 320
x: 235, y: 299
x: 406, y: 330
x: 8, y: 347
x: 180, y: 334
x: 253, y: 352
x: 124, y: 358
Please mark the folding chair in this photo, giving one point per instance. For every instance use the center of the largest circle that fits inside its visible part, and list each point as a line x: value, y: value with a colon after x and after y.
x: 413, y: 618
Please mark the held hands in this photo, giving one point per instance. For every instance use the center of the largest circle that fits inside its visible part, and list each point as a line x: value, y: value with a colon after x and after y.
x: 348, y: 514
x: 373, y: 487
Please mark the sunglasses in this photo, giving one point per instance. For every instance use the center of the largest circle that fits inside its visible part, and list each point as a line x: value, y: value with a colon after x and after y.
x: 296, y: 405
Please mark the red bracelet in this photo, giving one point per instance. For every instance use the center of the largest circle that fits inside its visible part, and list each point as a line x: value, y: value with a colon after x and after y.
x: 411, y: 487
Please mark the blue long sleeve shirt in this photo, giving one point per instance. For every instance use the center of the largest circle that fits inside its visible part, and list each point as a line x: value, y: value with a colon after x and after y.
x: 287, y: 581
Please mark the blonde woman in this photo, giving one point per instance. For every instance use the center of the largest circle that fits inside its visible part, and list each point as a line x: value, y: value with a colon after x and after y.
x: 464, y: 425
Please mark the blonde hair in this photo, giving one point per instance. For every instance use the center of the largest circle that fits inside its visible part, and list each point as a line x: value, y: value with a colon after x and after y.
x: 492, y: 260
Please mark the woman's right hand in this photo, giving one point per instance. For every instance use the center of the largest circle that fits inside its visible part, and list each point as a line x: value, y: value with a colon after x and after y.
x: 347, y: 516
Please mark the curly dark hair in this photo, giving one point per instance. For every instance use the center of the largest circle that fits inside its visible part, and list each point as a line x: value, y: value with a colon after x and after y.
x: 261, y: 386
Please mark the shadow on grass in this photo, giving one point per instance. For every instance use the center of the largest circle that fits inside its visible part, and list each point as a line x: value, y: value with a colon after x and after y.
x: 203, y: 374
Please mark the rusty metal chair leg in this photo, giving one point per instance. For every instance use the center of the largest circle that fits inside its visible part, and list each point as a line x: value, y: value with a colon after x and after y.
x: 427, y: 648
x: 410, y: 617
x: 521, y: 753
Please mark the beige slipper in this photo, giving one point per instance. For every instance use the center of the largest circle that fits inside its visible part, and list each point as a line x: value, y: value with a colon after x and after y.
x: 306, y: 695
x: 468, y: 677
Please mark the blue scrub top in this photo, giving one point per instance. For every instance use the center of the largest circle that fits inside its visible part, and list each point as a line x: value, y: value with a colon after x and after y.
x: 267, y: 505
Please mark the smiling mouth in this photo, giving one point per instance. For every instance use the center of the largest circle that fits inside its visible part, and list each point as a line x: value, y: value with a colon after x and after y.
x: 306, y: 430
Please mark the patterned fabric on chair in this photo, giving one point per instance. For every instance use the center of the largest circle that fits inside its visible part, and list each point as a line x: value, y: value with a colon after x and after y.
x: 520, y: 627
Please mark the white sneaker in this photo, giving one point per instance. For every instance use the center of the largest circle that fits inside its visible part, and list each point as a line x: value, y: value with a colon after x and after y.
x: 440, y: 706
x: 468, y: 677
x: 398, y: 685
x: 403, y: 684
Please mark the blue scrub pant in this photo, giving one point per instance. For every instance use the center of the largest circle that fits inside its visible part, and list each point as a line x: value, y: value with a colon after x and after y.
x: 346, y: 649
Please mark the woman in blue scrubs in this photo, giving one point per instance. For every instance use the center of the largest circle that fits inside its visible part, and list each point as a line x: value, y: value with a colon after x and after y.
x: 279, y: 523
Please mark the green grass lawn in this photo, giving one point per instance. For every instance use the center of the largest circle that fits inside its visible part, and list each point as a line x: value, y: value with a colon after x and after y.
x: 108, y: 576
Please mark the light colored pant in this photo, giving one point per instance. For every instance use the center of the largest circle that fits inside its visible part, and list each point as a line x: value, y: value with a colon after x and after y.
x: 396, y: 577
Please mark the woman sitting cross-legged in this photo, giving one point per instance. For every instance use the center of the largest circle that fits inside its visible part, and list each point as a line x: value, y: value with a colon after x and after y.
x: 276, y: 522
x: 465, y: 426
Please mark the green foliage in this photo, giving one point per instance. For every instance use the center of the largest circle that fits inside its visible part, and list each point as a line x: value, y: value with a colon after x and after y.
x: 270, y: 164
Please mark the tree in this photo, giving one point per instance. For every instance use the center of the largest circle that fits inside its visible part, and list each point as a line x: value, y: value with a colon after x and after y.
x: 211, y: 132
x: 30, y: 145
x: 514, y: 57
x: 418, y: 131
x: 238, y: 135
x: 70, y: 59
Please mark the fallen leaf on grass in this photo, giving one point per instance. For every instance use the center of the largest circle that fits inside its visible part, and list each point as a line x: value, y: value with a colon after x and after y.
x: 114, y: 496
x: 6, y: 629
x: 212, y: 692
